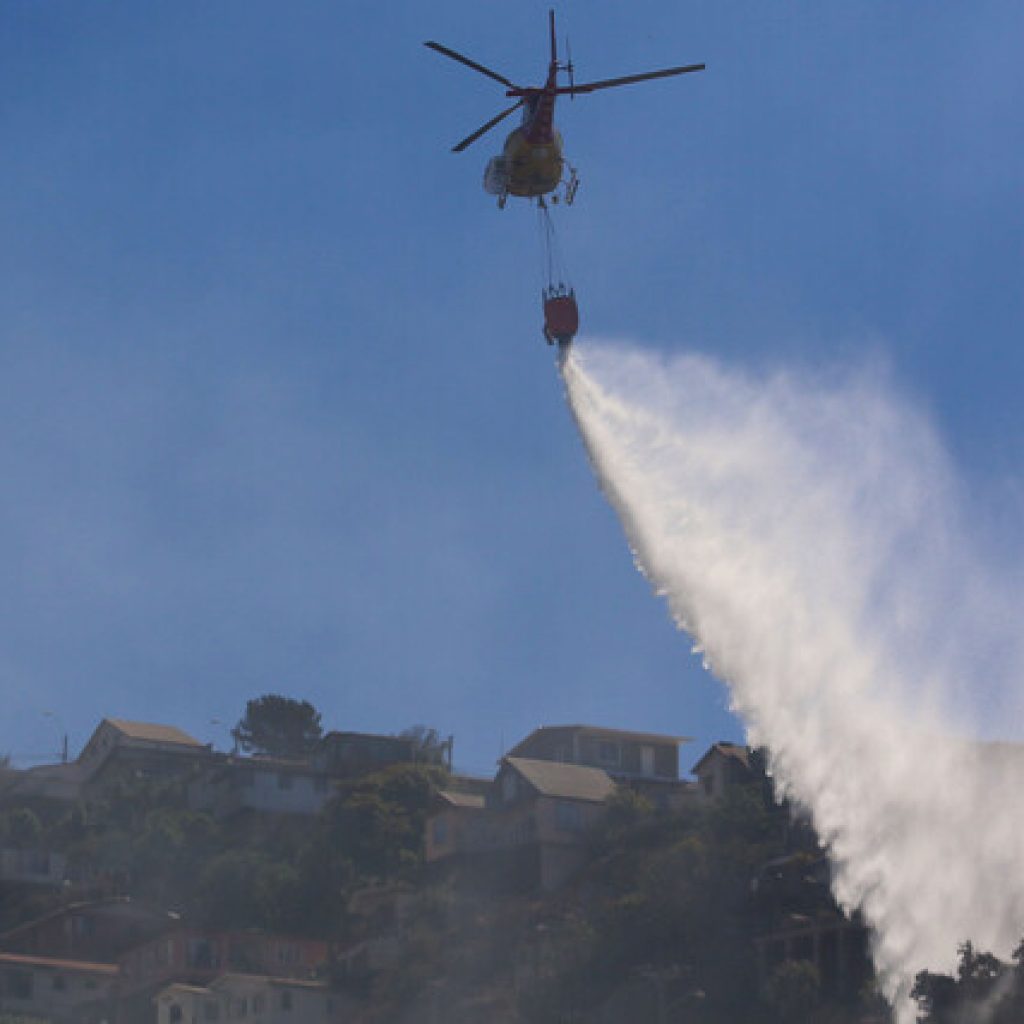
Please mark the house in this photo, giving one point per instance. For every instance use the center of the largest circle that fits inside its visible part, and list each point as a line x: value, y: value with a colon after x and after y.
x: 257, y: 999
x: 348, y: 754
x: 96, y: 931
x: 196, y: 957
x: 268, y: 785
x: 56, y: 990
x: 533, y: 825
x: 646, y: 762
x: 117, y: 750
x: 122, y: 750
x: 455, y: 817
x: 723, y: 765
x: 32, y: 867
x: 42, y: 786
x: 839, y: 947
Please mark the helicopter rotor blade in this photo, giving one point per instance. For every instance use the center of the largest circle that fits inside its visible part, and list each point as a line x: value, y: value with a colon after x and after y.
x: 445, y: 51
x: 483, y: 129
x: 609, y: 83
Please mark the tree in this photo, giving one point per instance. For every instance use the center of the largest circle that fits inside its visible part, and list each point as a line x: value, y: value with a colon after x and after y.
x: 793, y: 991
x: 427, y: 744
x: 246, y: 888
x: 279, y: 726
x: 982, y: 982
x: 20, y: 828
x: 375, y: 824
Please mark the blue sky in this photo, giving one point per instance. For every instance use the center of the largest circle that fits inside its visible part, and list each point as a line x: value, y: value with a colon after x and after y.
x: 275, y: 412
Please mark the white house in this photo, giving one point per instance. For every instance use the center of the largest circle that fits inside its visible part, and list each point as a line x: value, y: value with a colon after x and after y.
x: 56, y: 990
x: 254, y: 998
x: 267, y: 785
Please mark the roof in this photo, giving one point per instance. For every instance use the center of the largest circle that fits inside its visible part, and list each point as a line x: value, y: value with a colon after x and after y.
x: 55, y: 781
x: 236, y: 977
x: 728, y: 750
x: 180, y: 986
x: 567, y: 781
x: 153, y: 733
x: 83, y: 966
x: 600, y: 730
x: 267, y: 762
x: 471, y: 801
x: 109, y: 904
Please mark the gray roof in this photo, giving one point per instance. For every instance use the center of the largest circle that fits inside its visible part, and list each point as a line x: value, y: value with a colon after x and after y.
x: 461, y: 799
x: 600, y: 730
x: 727, y: 750
x: 567, y: 781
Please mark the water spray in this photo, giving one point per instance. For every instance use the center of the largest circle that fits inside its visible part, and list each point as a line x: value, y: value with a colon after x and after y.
x: 809, y: 534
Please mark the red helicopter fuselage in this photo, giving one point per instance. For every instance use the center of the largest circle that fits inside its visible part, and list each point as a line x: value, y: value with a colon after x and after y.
x: 531, y: 161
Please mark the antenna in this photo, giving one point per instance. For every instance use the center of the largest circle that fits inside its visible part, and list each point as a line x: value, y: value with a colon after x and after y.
x: 569, y: 67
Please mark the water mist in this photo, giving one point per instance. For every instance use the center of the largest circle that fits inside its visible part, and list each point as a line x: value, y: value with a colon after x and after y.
x: 810, y: 534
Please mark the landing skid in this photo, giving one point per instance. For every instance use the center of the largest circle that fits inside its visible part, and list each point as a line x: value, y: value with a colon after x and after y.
x: 570, y: 186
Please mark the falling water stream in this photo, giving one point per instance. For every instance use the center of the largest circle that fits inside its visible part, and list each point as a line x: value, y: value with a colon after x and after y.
x: 810, y: 534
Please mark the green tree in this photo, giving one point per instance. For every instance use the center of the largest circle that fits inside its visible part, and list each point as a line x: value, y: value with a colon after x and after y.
x: 376, y: 822
x: 248, y: 889
x: 279, y: 726
x: 427, y: 743
x: 20, y: 828
x: 982, y: 980
x: 793, y: 991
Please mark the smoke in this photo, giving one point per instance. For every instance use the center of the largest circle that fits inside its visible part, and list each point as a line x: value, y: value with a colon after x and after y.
x: 811, y: 535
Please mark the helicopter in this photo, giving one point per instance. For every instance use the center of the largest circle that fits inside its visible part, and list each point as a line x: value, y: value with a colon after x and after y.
x: 531, y: 163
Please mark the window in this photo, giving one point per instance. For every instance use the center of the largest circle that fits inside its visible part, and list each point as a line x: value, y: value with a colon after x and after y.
x: 568, y: 816
x: 175, y: 1014
x: 286, y: 1000
x: 508, y: 787
x: 259, y: 1003
x: 18, y: 984
x: 58, y: 983
x: 81, y: 926
x: 38, y: 862
x: 284, y: 780
x: 440, y: 830
x: 608, y: 752
x: 211, y: 1010
x: 320, y: 784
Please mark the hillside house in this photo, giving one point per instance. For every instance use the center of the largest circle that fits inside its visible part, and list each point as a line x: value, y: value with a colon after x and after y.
x: 120, y: 750
x: 254, y: 998
x: 32, y: 867
x: 55, y: 990
x: 348, y: 754
x: 456, y: 818
x: 837, y: 946
x: 723, y: 765
x: 196, y: 957
x: 98, y: 931
x: 43, y: 786
x: 267, y: 785
x: 645, y: 762
x: 533, y: 824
